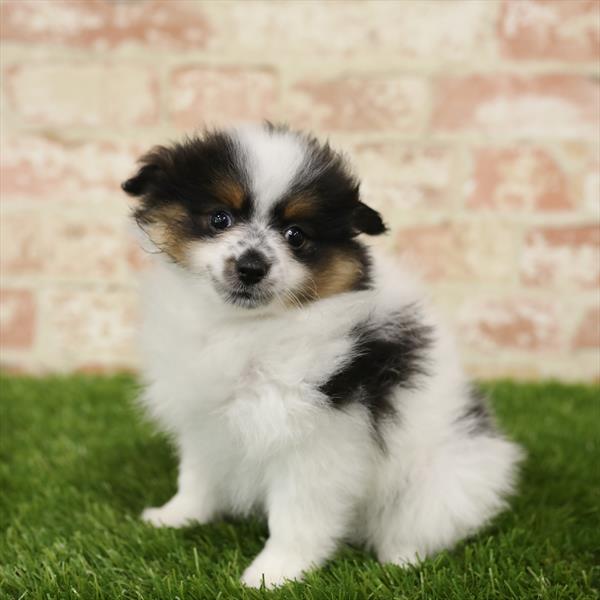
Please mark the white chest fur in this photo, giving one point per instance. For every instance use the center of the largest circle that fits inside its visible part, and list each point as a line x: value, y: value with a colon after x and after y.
x: 257, y: 373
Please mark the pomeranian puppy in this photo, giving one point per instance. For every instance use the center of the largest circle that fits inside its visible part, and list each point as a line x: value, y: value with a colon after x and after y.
x: 298, y: 377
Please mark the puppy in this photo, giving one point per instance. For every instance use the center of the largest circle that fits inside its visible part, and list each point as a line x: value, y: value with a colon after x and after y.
x: 298, y: 377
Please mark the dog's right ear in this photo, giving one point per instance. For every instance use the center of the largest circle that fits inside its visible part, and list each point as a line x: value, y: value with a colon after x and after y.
x: 153, y: 166
x: 138, y: 184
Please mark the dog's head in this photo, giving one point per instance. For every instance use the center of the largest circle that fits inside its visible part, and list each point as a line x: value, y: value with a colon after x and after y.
x: 267, y: 214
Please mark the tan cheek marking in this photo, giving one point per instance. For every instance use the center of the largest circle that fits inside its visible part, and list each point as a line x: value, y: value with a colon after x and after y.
x: 166, y: 231
x: 339, y: 275
x: 336, y: 276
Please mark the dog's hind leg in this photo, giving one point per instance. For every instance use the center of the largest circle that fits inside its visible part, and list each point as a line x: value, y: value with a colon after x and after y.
x: 448, y: 493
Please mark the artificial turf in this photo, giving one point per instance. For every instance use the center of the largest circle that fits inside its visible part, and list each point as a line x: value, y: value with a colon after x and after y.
x: 78, y: 464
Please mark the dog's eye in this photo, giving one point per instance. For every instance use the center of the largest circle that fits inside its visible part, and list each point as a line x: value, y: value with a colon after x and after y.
x: 221, y: 220
x: 294, y: 236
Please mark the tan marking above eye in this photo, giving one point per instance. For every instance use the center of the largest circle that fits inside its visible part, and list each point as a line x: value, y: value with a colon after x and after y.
x: 231, y: 193
x: 300, y: 208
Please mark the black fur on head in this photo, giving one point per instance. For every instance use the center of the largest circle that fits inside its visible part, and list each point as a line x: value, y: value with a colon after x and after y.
x: 182, y: 185
x: 327, y: 188
x: 196, y: 174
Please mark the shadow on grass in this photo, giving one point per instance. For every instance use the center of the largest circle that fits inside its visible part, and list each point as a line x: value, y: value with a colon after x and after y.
x: 134, y: 474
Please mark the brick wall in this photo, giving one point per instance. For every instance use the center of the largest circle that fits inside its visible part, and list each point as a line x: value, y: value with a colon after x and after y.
x: 474, y: 123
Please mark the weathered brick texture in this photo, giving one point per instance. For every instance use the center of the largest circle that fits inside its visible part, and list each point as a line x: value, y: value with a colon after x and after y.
x: 518, y: 323
x: 355, y: 103
x: 222, y: 95
x: 588, y: 332
x: 544, y: 29
x: 518, y: 178
x: 82, y: 94
x: 104, y: 25
x: 347, y: 30
x: 87, y: 328
x: 562, y: 256
x: 17, y: 319
x: 474, y: 124
x: 460, y: 251
x: 45, y: 168
x: 405, y: 176
x: 560, y: 105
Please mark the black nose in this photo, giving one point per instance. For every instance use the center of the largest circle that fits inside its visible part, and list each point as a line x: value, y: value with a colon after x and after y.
x: 251, y: 267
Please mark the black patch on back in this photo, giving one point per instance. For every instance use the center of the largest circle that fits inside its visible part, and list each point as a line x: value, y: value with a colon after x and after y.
x: 383, y: 357
x: 476, y: 417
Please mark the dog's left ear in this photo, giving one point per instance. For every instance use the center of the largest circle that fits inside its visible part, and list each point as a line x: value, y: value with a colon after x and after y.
x: 366, y: 220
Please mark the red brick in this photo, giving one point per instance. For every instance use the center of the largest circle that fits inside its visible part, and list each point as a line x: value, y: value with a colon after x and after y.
x: 589, y: 180
x: 437, y: 29
x: 17, y: 319
x: 459, y: 251
x: 581, y: 163
x: 562, y: 256
x: 359, y: 103
x: 399, y: 176
x: 562, y: 105
x: 102, y: 24
x: 222, y: 95
x: 83, y: 324
x: 550, y: 29
x: 21, y: 247
x: 42, y: 168
x: 518, y: 178
x: 83, y: 94
x: 68, y: 246
x: 515, y: 323
x: 90, y: 248
x: 588, y: 332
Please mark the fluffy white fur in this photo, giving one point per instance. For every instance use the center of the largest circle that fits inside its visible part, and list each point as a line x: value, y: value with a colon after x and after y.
x: 237, y: 390
x: 272, y: 161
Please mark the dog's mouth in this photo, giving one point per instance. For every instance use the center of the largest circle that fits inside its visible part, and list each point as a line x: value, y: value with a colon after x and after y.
x: 241, y: 295
x: 247, y: 298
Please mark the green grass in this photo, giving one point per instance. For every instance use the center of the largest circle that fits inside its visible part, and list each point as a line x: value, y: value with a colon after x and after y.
x: 78, y: 465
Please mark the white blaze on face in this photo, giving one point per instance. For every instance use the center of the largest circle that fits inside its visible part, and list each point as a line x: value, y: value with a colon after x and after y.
x: 287, y: 275
x: 273, y: 160
x: 210, y: 255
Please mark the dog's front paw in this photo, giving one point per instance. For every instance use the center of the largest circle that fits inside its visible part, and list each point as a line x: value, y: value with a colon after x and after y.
x: 273, y: 570
x: 403, y: 556
x: 179, y: 511
x: 162, y: 517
